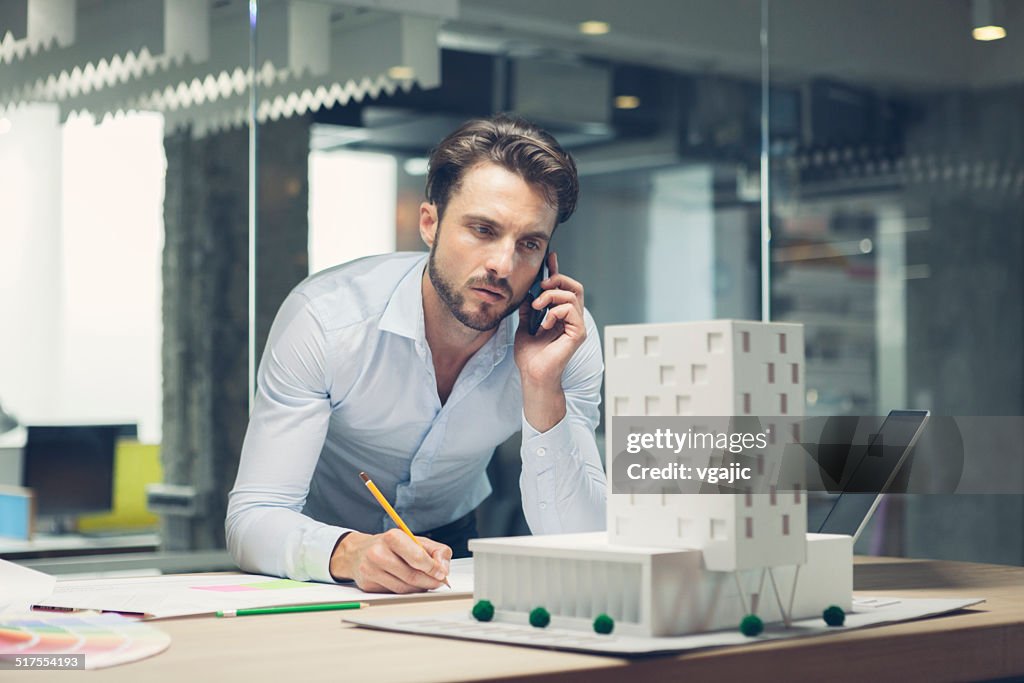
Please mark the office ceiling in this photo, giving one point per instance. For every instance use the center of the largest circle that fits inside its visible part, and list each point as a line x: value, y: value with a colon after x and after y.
x: 899, y: 45
x: 905, y: 43
x: 117, y: 55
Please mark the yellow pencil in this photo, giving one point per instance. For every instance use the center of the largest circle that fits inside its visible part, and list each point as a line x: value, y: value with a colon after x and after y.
x: 392, y: 514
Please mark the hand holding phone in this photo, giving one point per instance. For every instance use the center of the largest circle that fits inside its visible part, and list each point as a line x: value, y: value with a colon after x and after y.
x: 547, y: 340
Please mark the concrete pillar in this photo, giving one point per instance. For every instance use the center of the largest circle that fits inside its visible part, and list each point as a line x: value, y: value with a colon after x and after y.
x: 205, y: 302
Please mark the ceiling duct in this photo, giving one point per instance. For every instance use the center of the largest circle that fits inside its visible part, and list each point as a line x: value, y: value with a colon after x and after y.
x: 189, y: 59
x: 559, y: 92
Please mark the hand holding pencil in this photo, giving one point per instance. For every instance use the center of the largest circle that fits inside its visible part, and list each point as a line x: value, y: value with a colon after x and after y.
x: 393, y: 562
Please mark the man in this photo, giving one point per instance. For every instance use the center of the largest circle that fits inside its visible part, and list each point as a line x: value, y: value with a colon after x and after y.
x: 413, y: 368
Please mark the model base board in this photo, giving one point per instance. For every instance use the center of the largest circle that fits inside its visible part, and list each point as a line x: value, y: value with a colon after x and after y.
x: 652, y: 592
x: 865, y: 612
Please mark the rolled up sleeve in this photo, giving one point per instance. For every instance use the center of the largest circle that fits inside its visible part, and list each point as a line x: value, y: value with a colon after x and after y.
x: 563, y: 482
x: 266, y: 530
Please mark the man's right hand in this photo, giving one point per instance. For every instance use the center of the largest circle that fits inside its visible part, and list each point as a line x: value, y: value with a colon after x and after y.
x: 390, y: 562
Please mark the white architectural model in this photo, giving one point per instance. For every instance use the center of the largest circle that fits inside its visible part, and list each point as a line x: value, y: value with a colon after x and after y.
x: 684, y: 563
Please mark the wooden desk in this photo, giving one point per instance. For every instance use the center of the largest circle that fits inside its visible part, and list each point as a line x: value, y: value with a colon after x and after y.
x: 980, y: 643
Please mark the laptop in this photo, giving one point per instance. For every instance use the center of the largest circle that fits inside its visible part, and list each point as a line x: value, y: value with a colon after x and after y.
x: 851, y: 510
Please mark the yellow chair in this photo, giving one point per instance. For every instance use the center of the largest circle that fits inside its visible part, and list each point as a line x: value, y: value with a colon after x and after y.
x: 135, y: 465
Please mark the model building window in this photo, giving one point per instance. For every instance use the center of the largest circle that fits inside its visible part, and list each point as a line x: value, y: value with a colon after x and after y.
x: 796, y: 372
x: 785, y: 525
x: 651, y: 346
x: 750, y: 527
x: 796, y: 493
x: 621, y: 405
x: 652, y: 405
x: 748, y: 498
x: 698, y: 373
x: 745, y: 338
x: 771, y: 497
x: 683, y: 526
x: 719, y: 530
x: 782, y: 343
x: 620, y: 347
x: 770, y: 368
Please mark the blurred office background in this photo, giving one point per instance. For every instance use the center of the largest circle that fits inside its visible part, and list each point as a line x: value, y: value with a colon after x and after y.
x: 148, y: 232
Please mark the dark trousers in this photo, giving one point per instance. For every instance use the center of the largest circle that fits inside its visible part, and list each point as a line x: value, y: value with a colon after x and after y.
x: 455, y: 535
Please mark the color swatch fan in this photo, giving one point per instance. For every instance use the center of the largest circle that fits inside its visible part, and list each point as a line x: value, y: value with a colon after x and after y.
x: 105, y: 639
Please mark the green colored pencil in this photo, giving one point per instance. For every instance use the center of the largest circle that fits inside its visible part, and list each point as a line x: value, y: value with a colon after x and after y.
x: 290, y: 609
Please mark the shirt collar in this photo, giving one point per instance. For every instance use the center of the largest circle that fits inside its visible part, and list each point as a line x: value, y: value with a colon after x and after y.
x: 404, y: 314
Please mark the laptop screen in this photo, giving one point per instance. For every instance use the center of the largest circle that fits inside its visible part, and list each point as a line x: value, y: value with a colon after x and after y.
x: 879, y: 463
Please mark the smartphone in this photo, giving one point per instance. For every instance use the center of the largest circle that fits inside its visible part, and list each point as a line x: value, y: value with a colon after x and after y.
x: 537, y: 316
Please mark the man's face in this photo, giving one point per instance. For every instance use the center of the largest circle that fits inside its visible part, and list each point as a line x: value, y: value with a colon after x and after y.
x: 486, y: 254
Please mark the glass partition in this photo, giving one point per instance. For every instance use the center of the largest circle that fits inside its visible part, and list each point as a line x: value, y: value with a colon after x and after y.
x: 120, y: 147
x: 172, y: 170
x: 897, y: 192
x: 667, y: 143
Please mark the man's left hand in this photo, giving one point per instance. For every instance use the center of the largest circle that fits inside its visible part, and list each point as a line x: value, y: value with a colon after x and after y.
x: 542, y: 358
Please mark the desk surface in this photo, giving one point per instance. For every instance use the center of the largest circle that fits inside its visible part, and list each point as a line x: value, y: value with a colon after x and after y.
x: 65, y: 545
x: 979, y: 643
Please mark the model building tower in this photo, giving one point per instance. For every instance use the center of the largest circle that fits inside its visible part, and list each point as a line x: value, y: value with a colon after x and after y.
x: 678, y: 563
x: 719, y: 367
x: 715, y: 368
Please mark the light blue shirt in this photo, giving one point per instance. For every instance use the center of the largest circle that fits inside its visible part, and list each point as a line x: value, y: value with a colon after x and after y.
x: 346, y: 384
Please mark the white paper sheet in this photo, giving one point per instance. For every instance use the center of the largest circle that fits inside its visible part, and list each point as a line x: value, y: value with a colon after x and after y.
x: 183, y: 595
x: 21, y: 586
x: 462, y: 625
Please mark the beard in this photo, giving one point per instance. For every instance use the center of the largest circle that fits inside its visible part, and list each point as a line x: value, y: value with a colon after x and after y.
x: 480, y: 319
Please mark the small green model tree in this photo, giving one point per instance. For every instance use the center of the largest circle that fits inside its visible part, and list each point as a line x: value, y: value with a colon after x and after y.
x: 751, y: 625
x: 604, y: 624
x: 834, y: 615
x: 483, y: 610
x: 539, y: 617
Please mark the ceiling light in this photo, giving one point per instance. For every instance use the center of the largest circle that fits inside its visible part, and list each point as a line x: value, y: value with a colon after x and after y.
x: 401, y: 73
x: 988, y: 32
x: 987, y: 20
x: 594, y: 28
x: 627, y: 102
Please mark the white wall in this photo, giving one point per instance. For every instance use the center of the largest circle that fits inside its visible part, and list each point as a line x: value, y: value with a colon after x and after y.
x: 112, y: 222
x: 30, y: 253
x: 352, y: 205
x: 81, y: 311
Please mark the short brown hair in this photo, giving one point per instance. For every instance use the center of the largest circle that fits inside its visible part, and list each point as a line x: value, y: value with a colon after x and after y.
x: 514, y: 144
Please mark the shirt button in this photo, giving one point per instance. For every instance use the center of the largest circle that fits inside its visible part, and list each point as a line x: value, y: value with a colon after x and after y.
x: 543, y: 506
x: 542, y: 451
